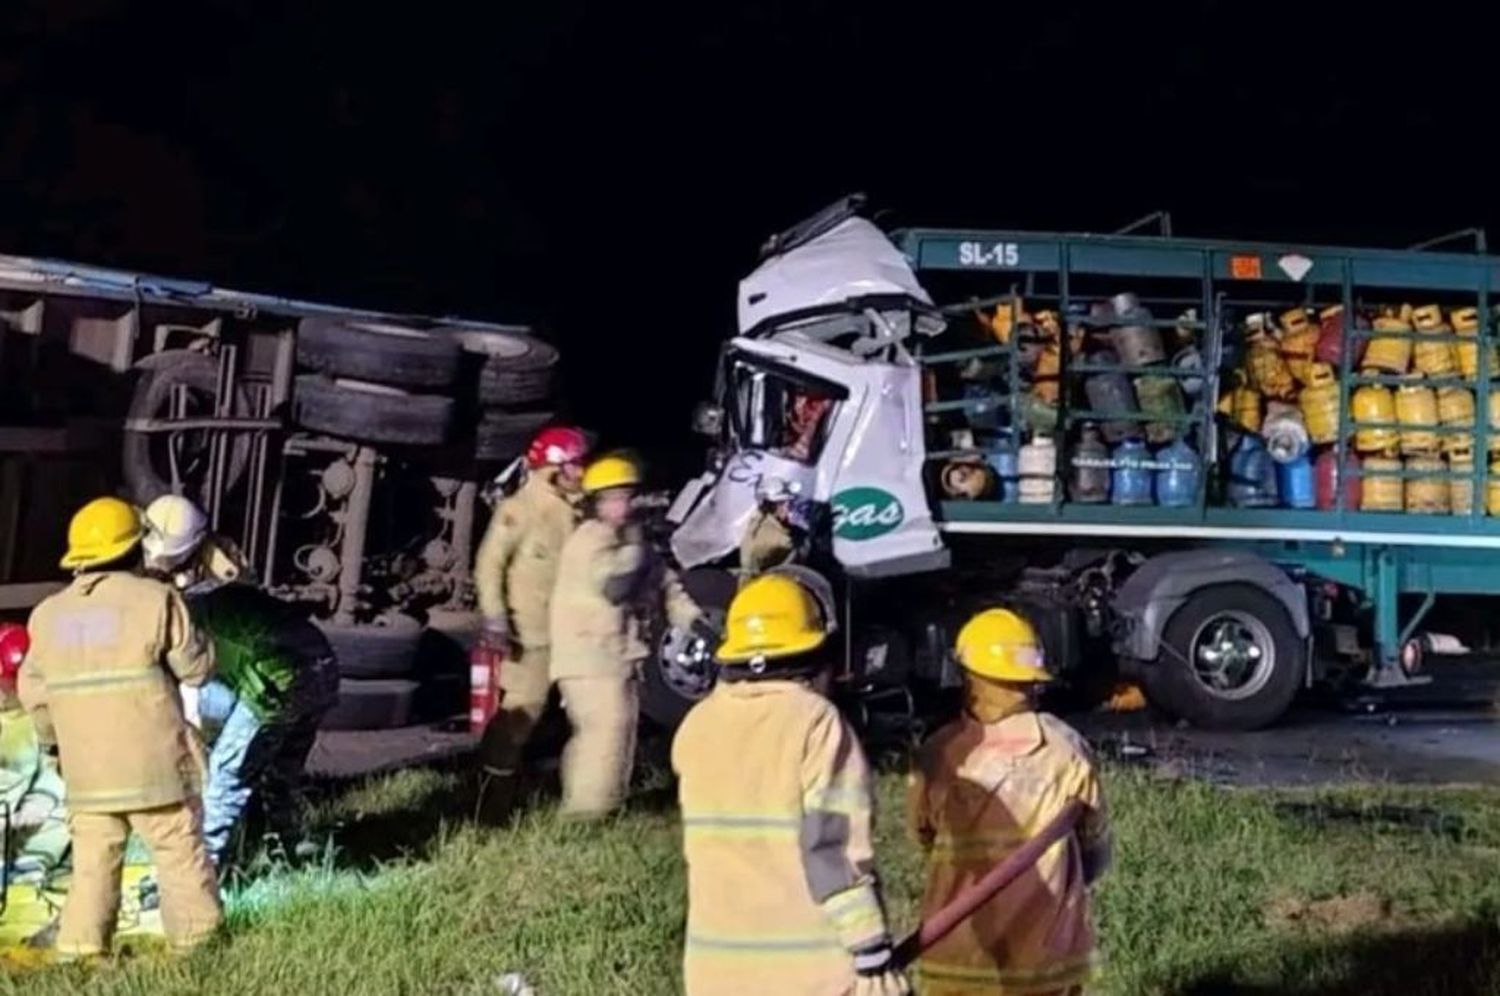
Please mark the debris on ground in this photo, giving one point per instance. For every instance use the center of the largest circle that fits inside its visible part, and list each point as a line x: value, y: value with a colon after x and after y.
x: 513, y: 984
x: 1340, y: 914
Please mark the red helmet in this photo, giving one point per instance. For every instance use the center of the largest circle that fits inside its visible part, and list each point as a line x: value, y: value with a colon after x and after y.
x: 557, y: 445
x: 14, y: 643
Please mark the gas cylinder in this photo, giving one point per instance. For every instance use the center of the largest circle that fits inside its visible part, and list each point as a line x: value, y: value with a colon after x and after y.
x: 1379, y: 493
x: 1494, y: 406
x: 1130, y: 482
x: 1456, y: 408
x: 1003, y: 320
x: 967, y: 478
x: 1188, y: 358
x: 1319, y: 402
x: 1374, y: 403
x: 1295, y: 480
x: 1388, y: 354
x: 1178, y: 476
x: 1038, y: 466
x: 1242, y: 404
x: 1416, y: 404
x: 1038, y: 415
x: 1330, y: 347
x: 1426, y: 495
x: 1466, y: 324
x: 1089, y: 481
x: 1461, y: 490
x: 1111, y: 394
x: 1285, y: 435
x: 1433, y: 357
x: 485, y: 693
x: 1427, y: 318
x: 1299, y: 340
x: 1162, y: 397
x: 1269, y: 372
x: 1003, y: 461
x: 1136, y: 341
x: 1044, y: 385
x: 1252, y: 474
x: 1328, y: 478
x: 1492, y: 489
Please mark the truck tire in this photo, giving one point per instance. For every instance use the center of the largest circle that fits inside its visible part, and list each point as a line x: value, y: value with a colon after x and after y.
x: 521, y: 375
x: 379, y: 352
x: 386, y: 649
x: 145, y: 456
x: 1231, y: 659
x: 503, y: 436
x: 371, y: 705
x: 668, y: 692
x: 371, y: 415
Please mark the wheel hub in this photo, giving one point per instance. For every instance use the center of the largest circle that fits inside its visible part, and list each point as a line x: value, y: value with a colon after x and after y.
x: 1233, y: 655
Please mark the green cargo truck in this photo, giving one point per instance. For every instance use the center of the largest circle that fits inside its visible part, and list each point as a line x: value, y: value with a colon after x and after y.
x: 957, y: 374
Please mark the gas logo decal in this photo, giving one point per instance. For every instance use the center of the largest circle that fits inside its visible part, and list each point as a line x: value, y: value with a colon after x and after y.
x: 865, y: 513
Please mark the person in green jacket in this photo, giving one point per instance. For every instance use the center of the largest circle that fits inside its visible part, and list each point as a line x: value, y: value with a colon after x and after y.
x: 275, y: 678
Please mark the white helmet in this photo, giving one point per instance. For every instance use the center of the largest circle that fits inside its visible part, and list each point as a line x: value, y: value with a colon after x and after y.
x: 175, y: 528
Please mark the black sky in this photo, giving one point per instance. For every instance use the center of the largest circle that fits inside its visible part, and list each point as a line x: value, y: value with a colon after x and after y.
x: 607, y: 170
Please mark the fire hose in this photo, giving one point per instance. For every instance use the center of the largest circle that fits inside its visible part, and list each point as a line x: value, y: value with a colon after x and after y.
x: 968, y: 902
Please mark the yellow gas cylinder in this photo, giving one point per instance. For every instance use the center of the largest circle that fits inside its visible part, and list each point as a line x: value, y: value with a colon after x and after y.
x: 1461, y: 490
x: 1007, y: 315
x: 1379, y: 493
x: 1299, y: 338
x: 1241, y: 404
x: 1048, y: 365
x: 1426, y: 495
x: 1269, y: 371
x: 1466, y: 324
x: 1320, y: 403
x: 1416, y: 405
x: 1456, y: 409
x: 1492, y: 490
x: 1374, y: 403
x: 1388, y: 353
x: 1433, y: 357
x: 1427, y: 318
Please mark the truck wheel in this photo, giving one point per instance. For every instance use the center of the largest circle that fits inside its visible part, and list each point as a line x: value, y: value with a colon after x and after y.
x: 1231, y: 660
x: 503, y: 436
x: 379, y: 352
x: 668, y: 688
x: 519, y: 374
x: 371, y: 705
x: 149, y: 457
x: 386, y: 649
x: 371, y: 414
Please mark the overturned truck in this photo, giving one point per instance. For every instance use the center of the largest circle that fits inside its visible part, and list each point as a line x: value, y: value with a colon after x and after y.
x: 343, y: 450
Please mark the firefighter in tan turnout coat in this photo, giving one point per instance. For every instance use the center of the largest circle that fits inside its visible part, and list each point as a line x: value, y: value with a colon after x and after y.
x: 108, y: 654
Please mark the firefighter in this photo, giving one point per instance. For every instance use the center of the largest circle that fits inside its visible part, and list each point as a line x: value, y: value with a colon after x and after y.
x: 275, y: 680
x: 514, y: 573
x: 777, y: 816
x: 984, y: 785
x: 609, y: 582
x: 101, y: 682
x: 30, y: 784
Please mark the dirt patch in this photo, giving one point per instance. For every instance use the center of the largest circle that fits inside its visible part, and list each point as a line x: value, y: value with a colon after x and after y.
x: 1339, y: 915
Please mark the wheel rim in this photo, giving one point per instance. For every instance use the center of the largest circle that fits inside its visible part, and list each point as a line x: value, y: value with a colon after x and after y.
x: 1233, y: 655
x: 691, y: 680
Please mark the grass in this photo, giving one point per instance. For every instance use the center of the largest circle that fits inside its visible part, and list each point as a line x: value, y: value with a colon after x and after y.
x: 1363, y: 890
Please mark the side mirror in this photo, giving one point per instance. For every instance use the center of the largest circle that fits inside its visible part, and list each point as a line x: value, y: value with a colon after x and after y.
x: 708, y: 420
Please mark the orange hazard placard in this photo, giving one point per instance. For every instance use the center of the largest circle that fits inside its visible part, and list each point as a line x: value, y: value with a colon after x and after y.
x: 1244, y: 267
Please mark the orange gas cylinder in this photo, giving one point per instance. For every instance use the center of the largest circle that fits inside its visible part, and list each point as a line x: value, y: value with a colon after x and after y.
x: 1299, y: 340
x: 1373, y: 403
x: 1461, y: 491
x: 1048, y: 365
x: 1320, y: 403
x: 1380, y: 493
x: 1416, y: 405
x: 1002, y: 322
x: 1456, y: 409
x: 1269, y: 371
x: 1388, y: 353
x: 1426, y: 495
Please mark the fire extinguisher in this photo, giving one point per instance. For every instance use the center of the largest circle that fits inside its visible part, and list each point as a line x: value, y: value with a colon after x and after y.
x: 485, y: 692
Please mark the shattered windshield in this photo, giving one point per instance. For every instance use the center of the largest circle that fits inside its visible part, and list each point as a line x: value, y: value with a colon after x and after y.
x: 780, y: 410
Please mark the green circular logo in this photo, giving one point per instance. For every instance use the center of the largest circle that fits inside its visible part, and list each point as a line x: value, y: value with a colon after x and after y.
x: 865, y: 513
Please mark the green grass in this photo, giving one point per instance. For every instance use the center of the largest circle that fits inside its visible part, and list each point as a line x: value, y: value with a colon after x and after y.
x: 411, y: 899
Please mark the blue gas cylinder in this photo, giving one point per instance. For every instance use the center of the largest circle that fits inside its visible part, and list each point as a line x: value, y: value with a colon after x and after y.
x: 1005, y: 463
x: 1178, y: 475
x: 1298, y: 483
x: 1130, y: 482
x: 1252, y: 474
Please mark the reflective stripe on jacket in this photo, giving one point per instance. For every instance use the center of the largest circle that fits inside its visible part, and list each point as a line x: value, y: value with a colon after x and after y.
x: 776, y: 819
x: 978, y: 793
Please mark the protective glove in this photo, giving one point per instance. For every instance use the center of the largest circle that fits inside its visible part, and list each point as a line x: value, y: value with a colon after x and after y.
x: 706, y: 632
x: 495, y: 635
x: 875, y: 973
x: 190, y: 710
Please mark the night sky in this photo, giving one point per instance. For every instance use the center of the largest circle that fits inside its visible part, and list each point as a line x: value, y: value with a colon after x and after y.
x: 608, y: 170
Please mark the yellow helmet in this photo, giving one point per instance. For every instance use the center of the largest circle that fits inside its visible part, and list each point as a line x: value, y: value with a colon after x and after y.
x: 772, y: 616
x: 105, y: 529
x: 612, y: 471
x: 999, y: 644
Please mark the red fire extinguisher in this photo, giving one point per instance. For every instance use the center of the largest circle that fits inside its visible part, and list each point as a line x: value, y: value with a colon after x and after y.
x: 485, y: 692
